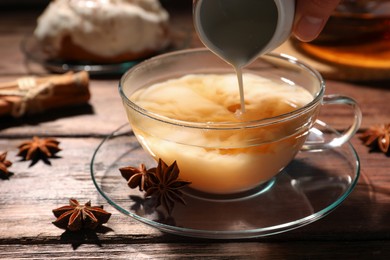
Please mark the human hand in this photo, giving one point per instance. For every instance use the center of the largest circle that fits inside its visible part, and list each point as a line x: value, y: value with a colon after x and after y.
x: 311, y: 17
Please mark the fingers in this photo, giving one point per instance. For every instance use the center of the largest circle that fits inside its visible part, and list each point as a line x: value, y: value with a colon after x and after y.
x: 311, y: 17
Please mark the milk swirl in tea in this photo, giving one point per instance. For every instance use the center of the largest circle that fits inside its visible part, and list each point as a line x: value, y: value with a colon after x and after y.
x: 224, y: 161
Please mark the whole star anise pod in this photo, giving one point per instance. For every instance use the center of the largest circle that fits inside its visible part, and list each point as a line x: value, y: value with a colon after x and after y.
x: 164, y: 185
x: 39, y: 148
x: 4, y: 164
x: 136, y: 177
x: 377, y: 136
x: 75, y: 216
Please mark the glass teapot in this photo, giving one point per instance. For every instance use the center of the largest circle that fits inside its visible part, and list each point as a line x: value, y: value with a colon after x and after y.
x: 357, y: 21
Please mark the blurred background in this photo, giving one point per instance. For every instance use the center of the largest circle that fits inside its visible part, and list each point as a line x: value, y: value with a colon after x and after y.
x: 25, y: 4
x: 355, y: 41
x: 7, y: 4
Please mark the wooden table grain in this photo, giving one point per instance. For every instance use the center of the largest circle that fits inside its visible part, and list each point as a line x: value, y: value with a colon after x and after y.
x: 358, y: 229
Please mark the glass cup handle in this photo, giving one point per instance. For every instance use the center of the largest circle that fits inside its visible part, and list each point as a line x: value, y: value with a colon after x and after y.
x: 344, y: 136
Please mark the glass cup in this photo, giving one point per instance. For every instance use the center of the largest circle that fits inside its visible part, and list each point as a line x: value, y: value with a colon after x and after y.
x: 251, y: 153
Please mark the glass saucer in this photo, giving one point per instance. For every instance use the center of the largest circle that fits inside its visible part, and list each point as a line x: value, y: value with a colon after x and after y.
x: 309, y: 188
x: 38, y: 61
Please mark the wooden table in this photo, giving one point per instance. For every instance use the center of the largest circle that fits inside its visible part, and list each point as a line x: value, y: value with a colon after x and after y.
x: 359, y: 228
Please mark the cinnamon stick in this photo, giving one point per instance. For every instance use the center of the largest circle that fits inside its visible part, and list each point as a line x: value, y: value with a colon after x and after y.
x: 31, y: 95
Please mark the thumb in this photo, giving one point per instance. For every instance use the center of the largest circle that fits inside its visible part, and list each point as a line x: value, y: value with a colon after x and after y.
x: 311, y: 17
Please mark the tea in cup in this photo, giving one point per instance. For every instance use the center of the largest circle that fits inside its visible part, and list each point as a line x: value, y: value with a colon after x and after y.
x: 184, y: 106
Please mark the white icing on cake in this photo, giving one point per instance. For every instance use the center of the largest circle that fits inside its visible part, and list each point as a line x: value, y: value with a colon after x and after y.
x: 104, y: 27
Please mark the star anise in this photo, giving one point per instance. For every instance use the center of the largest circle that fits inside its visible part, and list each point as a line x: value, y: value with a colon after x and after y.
x: 4, y: 164
x: 39, y: 148
x: 377, y: 136
x: 75, y: 216
x: 164, y: 185
x: 136, y: 177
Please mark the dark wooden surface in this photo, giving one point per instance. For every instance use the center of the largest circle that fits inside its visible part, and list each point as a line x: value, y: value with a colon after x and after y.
x: 358, y: 229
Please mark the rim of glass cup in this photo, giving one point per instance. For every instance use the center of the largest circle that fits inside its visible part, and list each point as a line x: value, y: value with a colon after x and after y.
x: 223, y: 125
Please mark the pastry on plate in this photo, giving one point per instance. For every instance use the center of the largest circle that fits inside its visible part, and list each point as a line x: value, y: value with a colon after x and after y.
x: 105, y: 31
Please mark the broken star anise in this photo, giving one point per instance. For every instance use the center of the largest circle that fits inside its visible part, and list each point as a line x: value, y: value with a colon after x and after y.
x: 39, y: 148
x: 136, y: 177
x: 164, y: 185
x: 4, y: 164
x: 377, y: 136
x: 75, y: 216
